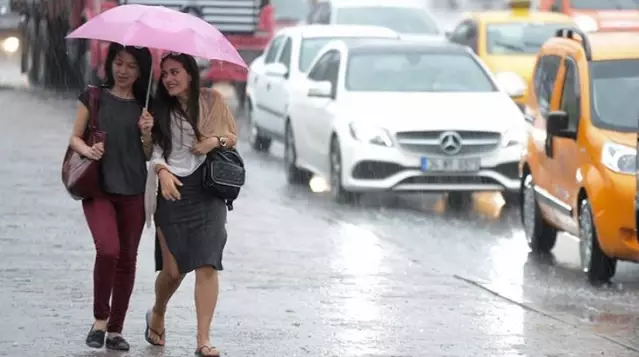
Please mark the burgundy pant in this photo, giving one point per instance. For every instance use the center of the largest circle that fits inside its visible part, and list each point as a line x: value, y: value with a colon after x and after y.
x: 116, y: 223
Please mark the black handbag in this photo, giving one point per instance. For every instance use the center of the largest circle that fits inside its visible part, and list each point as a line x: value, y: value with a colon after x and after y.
x: 224, y: 174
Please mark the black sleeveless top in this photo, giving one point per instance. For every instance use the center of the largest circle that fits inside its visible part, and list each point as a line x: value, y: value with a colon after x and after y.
x: 123, y: 163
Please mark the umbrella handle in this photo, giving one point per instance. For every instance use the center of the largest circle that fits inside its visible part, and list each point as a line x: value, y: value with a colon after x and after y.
x: 148, y: 90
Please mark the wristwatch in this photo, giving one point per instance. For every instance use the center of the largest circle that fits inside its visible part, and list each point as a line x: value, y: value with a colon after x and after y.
x: 222, y: 141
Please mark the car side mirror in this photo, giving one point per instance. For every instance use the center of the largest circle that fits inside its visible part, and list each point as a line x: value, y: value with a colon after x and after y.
x: 557, y: 125
x: 276, y: 70
x: 323, y: 89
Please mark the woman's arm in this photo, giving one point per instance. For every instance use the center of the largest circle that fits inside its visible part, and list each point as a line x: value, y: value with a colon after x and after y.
x: 147, y: 146
x: 157, y: 159
x: 76, y: 141
x: 227, y: 127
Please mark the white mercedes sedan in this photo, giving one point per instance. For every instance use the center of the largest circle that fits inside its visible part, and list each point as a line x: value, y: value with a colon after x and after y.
x: 380, y: 115
x: 283, y: 66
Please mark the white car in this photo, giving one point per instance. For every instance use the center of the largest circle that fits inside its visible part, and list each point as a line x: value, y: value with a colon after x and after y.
x: 404, y: 116
x: 272, y: 76
x: 410, y: 18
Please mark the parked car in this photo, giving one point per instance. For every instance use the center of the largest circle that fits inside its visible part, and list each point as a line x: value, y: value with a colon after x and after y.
x: 403, y: 116
x: 273, y: 76
x: 579, y: 174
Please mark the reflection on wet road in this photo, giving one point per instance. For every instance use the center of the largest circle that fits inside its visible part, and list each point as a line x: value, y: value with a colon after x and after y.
x: 484, y: 244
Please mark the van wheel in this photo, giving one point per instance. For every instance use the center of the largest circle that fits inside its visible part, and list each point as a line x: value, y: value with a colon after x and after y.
x: 540, y: 235
x: 599, y: 268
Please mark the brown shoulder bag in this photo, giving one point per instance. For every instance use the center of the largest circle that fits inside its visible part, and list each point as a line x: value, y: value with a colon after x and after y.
x: 81, y: 176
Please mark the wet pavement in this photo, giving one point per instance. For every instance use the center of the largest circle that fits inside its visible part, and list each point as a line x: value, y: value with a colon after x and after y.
x: 304, y: 276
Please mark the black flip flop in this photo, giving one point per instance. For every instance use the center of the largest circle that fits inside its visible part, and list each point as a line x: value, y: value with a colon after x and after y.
x: 199, y: 352
x: 148, y: 329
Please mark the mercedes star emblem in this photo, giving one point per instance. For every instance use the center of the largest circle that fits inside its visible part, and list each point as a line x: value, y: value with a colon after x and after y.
x: 450, y: 142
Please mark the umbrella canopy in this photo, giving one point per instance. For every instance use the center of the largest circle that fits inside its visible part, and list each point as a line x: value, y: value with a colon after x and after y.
x: 160, y: 28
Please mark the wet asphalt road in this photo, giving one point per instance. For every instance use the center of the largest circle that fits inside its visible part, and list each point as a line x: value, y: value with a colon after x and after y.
x: 305, y: 276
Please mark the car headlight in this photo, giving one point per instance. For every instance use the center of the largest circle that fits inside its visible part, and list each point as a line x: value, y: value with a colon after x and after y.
x: 619, y: 158
x: 370, y: 134
x: 11, y: 44
x: 586, y: 23
x: 511, y: 83
x: 514, y: 136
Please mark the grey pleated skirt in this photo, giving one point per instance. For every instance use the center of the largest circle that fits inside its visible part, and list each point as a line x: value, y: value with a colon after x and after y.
x: 194, y: 227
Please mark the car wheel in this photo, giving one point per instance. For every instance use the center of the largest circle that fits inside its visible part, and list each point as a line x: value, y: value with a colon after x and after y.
x: 338, y: 192
x: 458, y: 200
x: 540, y: 235
x: 257, y: 140
x: 294, y: 175
x: 511, y: 198
x: 599, y: 268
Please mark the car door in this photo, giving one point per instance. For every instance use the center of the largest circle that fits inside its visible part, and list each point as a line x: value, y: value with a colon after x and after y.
x: 566, y: 156
x: 277, y: 90
x: 466, y: 33
x: 323, y: 114
x: 262, y: 111
x: 307, y: 110
x: 539, y: 105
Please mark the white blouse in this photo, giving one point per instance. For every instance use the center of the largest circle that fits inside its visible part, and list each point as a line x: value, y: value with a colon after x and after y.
x: 181, y: 162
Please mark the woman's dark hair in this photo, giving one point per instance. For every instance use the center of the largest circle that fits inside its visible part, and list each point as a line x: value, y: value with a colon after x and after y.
x: 145, y: 62
x: 165, y: 104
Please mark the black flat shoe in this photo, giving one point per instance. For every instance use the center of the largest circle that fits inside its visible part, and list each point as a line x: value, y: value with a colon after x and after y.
x: 117, y: 343
x: 95, y: 338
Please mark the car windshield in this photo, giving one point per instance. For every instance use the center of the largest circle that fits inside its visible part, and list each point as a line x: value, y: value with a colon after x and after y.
x: 416, y: 72
x: 519, y: 37
x: 604, y: 5
x: 311, y: 46
x: 615, y: 85
x: 290, y: 10
x: 400, y: 19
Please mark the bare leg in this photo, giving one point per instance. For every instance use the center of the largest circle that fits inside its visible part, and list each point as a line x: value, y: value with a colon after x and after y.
x: 206, y: 293
x: 167, y: 282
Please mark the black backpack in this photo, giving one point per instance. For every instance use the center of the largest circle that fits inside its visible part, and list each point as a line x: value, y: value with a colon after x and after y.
x: 224, y: 174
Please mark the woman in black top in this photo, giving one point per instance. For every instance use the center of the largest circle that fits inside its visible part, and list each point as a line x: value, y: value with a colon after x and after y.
x: 116, y: 220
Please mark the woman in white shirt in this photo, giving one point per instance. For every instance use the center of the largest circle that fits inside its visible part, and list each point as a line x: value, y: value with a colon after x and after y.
x: 190, y: 223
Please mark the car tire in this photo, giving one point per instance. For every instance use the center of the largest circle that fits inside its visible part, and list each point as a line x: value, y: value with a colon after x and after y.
x: 257, y: 140
x: 338, y: 192
x: 459, y: 200
x: 294, y: 175
x: 540, y: 235
x: 599, y: 268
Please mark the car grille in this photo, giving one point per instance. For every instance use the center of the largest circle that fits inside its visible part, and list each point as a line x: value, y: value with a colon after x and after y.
x: 429, y: 143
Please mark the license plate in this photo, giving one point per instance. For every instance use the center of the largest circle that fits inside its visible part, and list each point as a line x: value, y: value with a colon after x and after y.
x: 450, y: 165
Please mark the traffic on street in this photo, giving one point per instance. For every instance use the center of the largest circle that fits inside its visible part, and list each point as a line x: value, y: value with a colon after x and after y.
x: 408, y: 193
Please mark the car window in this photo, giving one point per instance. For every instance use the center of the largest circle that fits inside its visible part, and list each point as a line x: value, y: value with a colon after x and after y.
x: 614, y: 88
x: 416, y: 72
x: 519, y: 37
x: 290, y: 10
x: 571, y: 95
x: 310, y: 47
x: 318, y: 73
x: 400, y: 19
x: 285, y: 55
x: 466, y: 34
x: 544, y: 81
x: 274, y: 49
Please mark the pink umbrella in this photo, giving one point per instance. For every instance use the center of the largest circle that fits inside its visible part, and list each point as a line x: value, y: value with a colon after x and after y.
x: 160, y: 28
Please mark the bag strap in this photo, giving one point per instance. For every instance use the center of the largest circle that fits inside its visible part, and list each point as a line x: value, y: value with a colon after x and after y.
x: 94, y: 103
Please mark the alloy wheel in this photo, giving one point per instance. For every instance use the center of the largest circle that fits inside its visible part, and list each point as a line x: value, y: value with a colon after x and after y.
x: 336, y: 169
